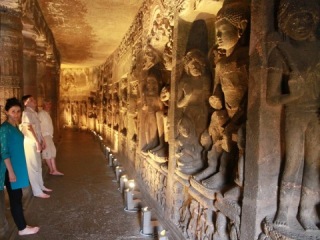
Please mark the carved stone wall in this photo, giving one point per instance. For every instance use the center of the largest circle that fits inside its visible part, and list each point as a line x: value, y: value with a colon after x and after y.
x: 212, y: 104
x: 187, y: 114
x: 11, y: 55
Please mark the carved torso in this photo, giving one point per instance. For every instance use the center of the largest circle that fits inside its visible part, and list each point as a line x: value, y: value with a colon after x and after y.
x: 232, y: 73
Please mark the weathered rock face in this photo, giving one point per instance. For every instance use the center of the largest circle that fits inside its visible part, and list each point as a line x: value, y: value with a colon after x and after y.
x: 222, y: 132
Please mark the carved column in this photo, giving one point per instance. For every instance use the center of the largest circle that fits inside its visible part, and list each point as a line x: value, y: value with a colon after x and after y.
x: 41, y: 77
x: 11, y: 54
x: 51, y: 87
x: 29, y: 60
x: 262, y: 161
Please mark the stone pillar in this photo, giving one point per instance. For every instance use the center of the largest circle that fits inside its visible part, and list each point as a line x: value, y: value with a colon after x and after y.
x: 51, y: 88
x: 11, y: 54
x: 41, y: 78
x: 29, y: 61
x: 263, y: 151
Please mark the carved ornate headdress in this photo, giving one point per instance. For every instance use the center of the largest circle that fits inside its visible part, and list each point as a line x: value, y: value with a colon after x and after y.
x: 235, y: 12
x: 288, y: 8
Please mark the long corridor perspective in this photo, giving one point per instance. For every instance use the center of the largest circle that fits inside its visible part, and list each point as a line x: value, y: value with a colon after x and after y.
x: 85, y: 202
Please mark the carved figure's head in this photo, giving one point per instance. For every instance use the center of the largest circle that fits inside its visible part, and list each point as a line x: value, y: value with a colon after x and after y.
x: 298, y: 19
x: 231, y: 22
x: 194, y: 63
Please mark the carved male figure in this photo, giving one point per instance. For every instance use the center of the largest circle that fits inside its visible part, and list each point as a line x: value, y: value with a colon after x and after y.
x: 231, y: 81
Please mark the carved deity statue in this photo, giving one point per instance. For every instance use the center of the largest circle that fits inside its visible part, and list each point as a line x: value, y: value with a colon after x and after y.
x: 194, y: 91
x: 294, y: 83
x: 229, y: 97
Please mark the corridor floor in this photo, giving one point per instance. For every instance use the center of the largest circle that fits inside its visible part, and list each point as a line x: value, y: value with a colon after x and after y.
x: 85, y: 203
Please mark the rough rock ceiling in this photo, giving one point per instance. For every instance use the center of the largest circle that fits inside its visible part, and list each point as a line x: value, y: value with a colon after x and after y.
x: 87, y: 32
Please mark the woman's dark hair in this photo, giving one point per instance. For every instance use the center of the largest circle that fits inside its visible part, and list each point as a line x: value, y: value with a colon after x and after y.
x: 25, y: 98
x: 11, y: 102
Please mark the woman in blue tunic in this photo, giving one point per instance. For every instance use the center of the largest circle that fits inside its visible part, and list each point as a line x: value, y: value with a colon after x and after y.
x: 13, y: 167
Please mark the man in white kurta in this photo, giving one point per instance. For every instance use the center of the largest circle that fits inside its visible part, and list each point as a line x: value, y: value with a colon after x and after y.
x: 49, y: 153
x: 33, y: 145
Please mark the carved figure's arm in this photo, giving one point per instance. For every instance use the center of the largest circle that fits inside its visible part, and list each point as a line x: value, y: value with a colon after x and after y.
x: 277, y: 73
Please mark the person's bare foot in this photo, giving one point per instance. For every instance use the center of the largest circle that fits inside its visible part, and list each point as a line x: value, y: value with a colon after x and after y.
x: 43, y: 195
x: 57, y: 173
x: 29, y: 230
x: 47, y: 189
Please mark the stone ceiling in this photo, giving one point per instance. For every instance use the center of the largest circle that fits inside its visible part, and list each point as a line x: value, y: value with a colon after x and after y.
x: 88, y: 31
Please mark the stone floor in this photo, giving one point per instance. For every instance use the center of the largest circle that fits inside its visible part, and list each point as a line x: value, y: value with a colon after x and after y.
x: 85, y: 203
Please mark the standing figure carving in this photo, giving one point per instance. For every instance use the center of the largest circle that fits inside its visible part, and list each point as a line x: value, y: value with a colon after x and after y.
x: 133, y: 103
x: 194, y: 91
x: 162, y: 122
x: 151, y: 104
x: 294, y: 83
x: 229, y: 99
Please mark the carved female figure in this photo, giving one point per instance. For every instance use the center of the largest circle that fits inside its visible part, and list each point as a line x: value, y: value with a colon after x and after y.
x: 194, y: 91
x: 294, y: 83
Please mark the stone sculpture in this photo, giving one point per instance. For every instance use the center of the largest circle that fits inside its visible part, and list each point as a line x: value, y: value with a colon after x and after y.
x: 194, y: 91
x: 133, y: 103
x: 221, y: 232
x: 294, y: 83
x: 230, y: 89
x: 189, y: 149
x: 162, y: 124
x: 151, y: 104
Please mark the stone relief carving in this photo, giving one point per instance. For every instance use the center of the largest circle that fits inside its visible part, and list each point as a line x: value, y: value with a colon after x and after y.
x: 294, y: 82
x: 83, y: 114
x: 109, y: 106
x: 150, y: 105
x: 123, y: 106
x: 188, y: 151
x: 133, y: 103
x: 176, y: 205
x: 221, y: 230
x: 115, y: 109
x: 161, y: 150
x: 193, y: 93
x: 229, y: 97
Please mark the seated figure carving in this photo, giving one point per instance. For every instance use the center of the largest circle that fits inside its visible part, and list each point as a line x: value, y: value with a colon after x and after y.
x: 188, y: 150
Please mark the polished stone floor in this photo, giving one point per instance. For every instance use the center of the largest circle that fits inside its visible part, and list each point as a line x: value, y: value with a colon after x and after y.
x: 85, y: 203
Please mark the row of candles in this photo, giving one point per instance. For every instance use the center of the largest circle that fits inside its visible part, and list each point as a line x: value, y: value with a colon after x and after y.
x: 128, y: 189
